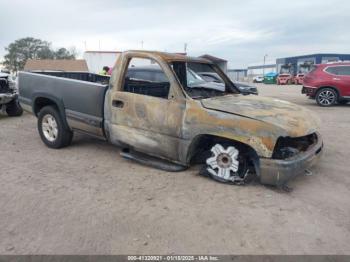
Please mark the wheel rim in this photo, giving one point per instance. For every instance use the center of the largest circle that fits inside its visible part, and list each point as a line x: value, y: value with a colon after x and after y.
x: 326, y: 97
x: 224, y: 163
x: 49, y: 127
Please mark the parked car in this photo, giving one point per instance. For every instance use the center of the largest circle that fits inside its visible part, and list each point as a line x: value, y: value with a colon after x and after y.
x: 258, y: 79
x: 173, y: 122
x: 328, y: 84
x: 244, y: 88
x: 299, y: 79
x: 303, y: 70
x: 285, y: 79
x: 286, y: 75
x: 9, y: 96
x: 270, y: 78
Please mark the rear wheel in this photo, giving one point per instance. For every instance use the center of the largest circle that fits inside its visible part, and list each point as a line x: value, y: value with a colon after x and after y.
x: 14, y: 108
x: 51, y: 128
x: 326, y: 97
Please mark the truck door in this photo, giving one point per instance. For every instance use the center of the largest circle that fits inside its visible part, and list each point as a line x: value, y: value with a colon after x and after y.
x: 147, y: 108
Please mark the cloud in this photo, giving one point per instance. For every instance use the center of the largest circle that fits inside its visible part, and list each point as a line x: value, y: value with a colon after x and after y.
x: 240, y: 31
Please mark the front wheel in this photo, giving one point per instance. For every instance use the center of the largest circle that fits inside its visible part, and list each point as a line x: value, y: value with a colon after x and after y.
x: 226, y: 164
x: 51, y: 128
x: 326, y: 97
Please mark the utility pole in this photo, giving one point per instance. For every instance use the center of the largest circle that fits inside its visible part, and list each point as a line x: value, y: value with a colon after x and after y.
x: 141, y: 44
x: 264, y: 64
x: 185, y: 48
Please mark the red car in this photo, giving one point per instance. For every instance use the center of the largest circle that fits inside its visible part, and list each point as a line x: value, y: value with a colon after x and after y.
x: 284, y: 79
x: 328, y: 84
x: 299, y: 79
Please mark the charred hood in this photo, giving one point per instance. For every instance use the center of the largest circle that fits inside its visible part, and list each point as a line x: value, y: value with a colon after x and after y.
x: 295, y: 120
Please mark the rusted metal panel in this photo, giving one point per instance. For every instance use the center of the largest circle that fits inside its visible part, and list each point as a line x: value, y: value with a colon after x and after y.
x: 150, y: 124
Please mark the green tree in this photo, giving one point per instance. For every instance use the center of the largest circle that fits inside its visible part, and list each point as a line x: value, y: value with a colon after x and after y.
x: 23, y: 49
x: 63, y: 53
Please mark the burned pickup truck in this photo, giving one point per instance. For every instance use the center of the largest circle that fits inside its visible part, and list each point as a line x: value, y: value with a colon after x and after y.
x: 170, y: 118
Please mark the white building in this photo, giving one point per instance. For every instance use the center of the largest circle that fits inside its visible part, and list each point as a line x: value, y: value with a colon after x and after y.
x: 96, y: 60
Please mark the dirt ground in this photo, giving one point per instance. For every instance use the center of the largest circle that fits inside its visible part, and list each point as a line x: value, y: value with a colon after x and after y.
x: 86, y: 199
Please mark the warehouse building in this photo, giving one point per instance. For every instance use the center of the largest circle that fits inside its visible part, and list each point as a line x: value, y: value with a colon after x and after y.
x: 259, y: 69
x: 237, y: 74
x: 296, y: 62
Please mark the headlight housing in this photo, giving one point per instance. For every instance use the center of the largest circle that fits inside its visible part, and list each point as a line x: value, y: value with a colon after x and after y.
x: 287, y: 147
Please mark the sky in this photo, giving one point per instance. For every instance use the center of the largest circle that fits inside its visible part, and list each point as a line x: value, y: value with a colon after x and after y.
x: 241, y: 32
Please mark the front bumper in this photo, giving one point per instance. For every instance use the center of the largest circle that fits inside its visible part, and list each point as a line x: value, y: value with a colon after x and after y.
x: 7, y: 97
x: 279, y: 172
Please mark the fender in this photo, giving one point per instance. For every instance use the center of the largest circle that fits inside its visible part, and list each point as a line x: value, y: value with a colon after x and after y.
x: 58, y: 102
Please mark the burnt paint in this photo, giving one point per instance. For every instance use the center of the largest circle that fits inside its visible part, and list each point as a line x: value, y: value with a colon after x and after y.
x: 166, y: 127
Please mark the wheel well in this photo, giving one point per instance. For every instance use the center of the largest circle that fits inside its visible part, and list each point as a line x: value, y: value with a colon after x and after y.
x: 203, y: 143
x: 331, y: 87
x: 41, y: 102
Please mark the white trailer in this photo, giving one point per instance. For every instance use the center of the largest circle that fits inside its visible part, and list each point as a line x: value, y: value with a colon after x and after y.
x: 96, y: 60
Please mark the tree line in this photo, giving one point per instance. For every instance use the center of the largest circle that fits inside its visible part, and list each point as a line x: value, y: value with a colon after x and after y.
x: 18, y: 52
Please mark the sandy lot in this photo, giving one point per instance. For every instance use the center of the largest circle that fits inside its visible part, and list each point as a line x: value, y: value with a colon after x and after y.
x: 86, y: 199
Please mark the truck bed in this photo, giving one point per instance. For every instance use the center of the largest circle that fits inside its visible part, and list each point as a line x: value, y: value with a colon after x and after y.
x: 79, y: 95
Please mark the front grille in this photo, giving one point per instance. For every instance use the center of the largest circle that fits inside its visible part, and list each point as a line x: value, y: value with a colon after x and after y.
x: 287, y: 147
x: 4, y: 87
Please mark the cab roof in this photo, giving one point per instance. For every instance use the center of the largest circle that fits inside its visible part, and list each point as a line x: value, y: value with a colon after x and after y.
x: 172, y: 56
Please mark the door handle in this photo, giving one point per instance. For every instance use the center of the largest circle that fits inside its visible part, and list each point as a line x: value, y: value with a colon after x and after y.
x: 118, y: 103
x: 337, y: 79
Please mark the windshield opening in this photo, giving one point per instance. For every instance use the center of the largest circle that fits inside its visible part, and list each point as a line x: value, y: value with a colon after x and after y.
x: 191, y: 76
x: 193, y: 79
